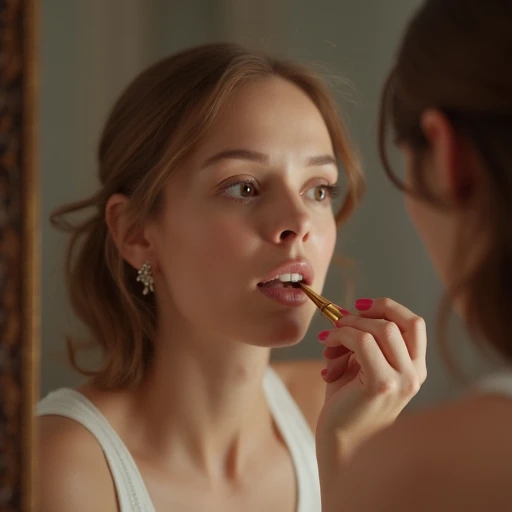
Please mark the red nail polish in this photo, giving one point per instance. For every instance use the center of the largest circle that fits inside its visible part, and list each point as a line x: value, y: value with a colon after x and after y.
x: 323, y: 335
x: 343, y: 311
x: 323, y: 373
x: 364, y: 304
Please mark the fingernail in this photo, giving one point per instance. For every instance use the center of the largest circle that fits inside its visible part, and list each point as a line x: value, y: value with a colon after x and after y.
x: 343, y: 311
x: 323, y: 373
x: 363, y: 304
x: 323, y: 335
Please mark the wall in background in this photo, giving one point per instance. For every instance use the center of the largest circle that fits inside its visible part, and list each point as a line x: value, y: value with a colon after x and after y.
x: 90, y: 50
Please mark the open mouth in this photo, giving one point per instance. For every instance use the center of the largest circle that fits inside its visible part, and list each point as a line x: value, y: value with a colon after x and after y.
x: 290, y: 280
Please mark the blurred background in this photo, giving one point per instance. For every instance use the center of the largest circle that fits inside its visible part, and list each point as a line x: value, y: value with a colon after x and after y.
x: 91, y: 49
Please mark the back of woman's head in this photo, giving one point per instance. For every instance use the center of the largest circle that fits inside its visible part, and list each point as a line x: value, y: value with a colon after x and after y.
x: 456, y: 57
x: 153, y: 127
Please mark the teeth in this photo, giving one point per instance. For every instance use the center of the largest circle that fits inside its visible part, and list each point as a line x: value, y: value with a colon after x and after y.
x: 286, y: 278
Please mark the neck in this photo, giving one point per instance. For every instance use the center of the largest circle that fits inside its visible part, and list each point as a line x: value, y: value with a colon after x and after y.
x: 203, y: 402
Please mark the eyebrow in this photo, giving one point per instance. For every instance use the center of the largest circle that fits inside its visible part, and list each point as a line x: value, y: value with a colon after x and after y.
x: 236, y: 154
x: 317, y: 161
x: 261, y: 158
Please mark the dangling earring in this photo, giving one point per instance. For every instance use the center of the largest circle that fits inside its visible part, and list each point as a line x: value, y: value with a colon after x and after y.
x: 146, y: 278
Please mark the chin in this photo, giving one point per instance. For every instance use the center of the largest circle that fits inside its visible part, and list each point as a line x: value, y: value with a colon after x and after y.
x: 282, y: 334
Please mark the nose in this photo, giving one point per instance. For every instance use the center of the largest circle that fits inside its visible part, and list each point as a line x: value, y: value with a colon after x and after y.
x: 290, y: 221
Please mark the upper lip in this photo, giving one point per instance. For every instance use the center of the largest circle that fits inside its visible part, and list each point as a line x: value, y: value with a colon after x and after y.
x: 301, y: 267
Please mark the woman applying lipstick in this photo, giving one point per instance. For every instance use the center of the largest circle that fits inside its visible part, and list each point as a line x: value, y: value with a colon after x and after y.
x: 448, y: 104
x: 218, y: 171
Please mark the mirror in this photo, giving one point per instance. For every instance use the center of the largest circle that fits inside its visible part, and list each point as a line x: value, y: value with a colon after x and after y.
x: 62, y: 66
x: 19, y: 250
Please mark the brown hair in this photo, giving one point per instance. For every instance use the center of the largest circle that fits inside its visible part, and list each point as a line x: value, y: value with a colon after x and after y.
x: 455, y: 57
x: 153, y: 126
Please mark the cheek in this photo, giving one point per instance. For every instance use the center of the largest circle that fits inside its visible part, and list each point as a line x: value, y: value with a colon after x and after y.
x: 423, y: 221
x: 435, y: 231
x: 324, y: 242
x: 411, y: 206
x: 222, y: 238
x: 209, y: 250
x: 207, y: 265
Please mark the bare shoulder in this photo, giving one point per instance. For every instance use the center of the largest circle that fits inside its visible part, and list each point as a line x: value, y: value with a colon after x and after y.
x: 73, y: 473
x: 454, y: 457
x: 303, y: 380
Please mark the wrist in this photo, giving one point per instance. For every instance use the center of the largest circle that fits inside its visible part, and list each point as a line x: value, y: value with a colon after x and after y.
x: 334, y: 447
x: 332, y: 458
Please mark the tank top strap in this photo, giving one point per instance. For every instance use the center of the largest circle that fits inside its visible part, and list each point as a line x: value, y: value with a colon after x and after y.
x: 496, y: 383
x: 299, y: 439
x: 131, y: 491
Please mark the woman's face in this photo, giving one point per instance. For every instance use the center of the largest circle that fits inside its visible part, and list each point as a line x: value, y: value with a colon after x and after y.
x: 435, y: 226
x: 448, y: 168
x: 252, y: 202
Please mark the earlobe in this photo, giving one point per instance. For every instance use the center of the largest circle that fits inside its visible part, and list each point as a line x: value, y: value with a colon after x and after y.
x: 129, y: 239
x: 449, y: 155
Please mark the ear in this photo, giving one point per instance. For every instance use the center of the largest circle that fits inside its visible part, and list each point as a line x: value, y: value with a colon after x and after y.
x: 450, y: 155
x: 130, y: 241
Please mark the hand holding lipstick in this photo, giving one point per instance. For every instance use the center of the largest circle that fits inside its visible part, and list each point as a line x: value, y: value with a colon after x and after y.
x: 375, y: 365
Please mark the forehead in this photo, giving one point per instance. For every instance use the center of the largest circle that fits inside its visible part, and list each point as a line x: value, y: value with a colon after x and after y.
x: 268, y: 114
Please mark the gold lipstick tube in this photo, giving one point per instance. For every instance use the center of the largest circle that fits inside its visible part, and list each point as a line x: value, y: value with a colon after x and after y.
x: 326, y: 307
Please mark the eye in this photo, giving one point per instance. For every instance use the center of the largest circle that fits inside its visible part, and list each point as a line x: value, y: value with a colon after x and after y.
x: 241, y: 190
x: 321, y: 193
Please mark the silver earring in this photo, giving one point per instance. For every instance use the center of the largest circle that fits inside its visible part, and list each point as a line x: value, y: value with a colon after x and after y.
x: 146, y: 278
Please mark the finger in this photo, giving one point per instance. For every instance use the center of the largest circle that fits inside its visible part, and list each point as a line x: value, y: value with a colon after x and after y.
x: 336, y: 368
x: 388, y: 336
x: 346, y: 371
x: 412, y: 326
x: 343, y: 311
x: 335, y: 352
x: 367, y: 353
x: 328, y: 340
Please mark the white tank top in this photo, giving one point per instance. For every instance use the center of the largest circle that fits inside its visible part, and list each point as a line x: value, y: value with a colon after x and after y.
x: 132, y: 493
x: 499, y: 383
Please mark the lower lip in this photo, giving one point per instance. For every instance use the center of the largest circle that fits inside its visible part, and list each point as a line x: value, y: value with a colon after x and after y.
x: 287, y: 296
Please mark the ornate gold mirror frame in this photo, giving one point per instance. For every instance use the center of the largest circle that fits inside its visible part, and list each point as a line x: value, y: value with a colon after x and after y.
x: 19, y: 251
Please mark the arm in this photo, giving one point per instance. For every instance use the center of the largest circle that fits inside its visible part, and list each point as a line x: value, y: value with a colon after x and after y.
x: 72, y: 471
x: 456, y: 457
x: 375, y: 365
x: 380, y: 477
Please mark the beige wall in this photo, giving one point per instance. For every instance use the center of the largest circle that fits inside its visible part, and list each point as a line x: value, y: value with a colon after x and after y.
x: 92, y: 48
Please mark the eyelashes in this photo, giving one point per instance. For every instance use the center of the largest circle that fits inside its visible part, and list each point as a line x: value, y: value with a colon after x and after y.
x: 246, y: 190
x: 334, y: 191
